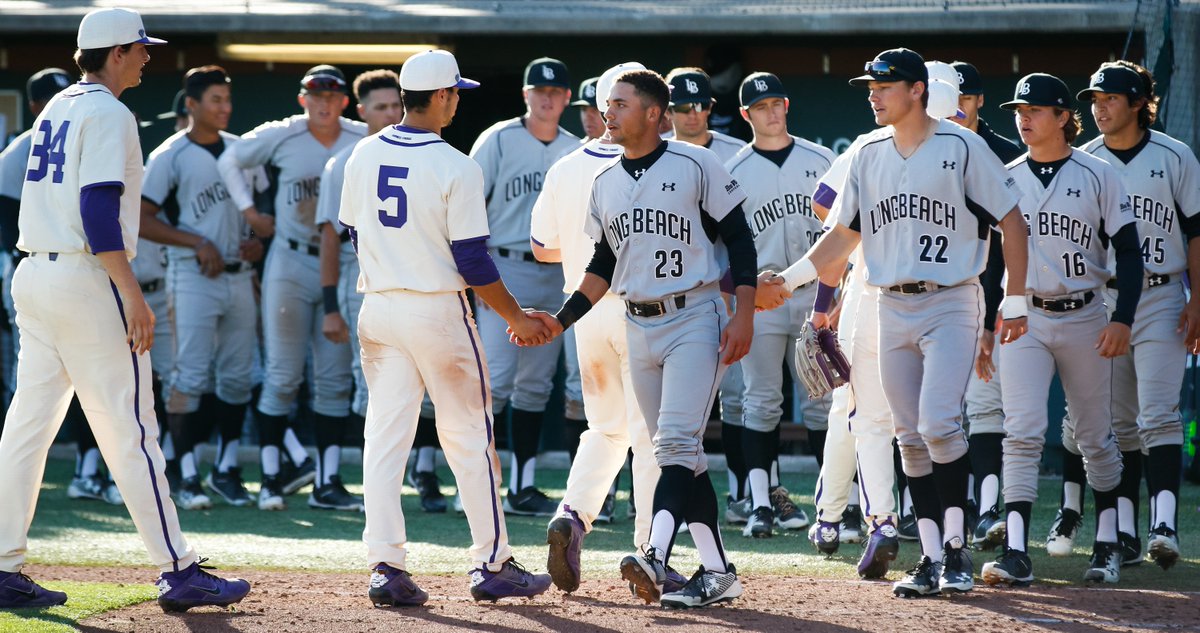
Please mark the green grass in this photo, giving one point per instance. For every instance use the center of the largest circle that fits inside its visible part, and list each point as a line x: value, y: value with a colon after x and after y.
x: 86, y: 599
x: 67, y: 532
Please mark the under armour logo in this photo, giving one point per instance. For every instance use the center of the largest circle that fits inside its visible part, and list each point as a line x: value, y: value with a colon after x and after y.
x: 691, y: 86
x: 547, y: 72
x: 1156, y: 173
x: 1098, y: 78
x: 949, y: 164
x: 961, y: 81
x: 760, y: 85
x: 668, y: 186
x: 590, y: 92
x: 1073, y: 192
x: 1047, y: 170
x: 141, y: 32
x: 810, y: 174
x: 637, y: 173
x: 1024, y: 89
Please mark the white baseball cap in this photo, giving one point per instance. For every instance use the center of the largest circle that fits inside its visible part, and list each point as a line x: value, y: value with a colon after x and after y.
x: 433, y: 70
x: 606, y: 81
x: 943, y: 98
x: 103, y: 28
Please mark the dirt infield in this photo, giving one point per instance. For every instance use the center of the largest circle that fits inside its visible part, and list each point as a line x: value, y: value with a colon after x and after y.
x: 337, y: 603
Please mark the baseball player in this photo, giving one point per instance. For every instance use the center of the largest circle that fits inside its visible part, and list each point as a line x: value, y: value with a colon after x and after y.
x: 298, y: 148
x: 930, y: 188
x: 79, y: 224
x: 414, y: 207
x: 515, y: 154
x: 778, y: 171
x: 1163, y: 179
x: 590, y: 116
x: 1076, y: 207
x: 211, y: 286
x: 646, y: 214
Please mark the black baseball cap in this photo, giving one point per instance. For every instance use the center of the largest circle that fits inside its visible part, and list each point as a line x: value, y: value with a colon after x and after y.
x: 1114, y: 79
x: 587, y: 93
x: 1040, y: 89
x: 547, y: 71
x: 178, y: 107
x: 323, y: 78
x: 690, y: 87
x: 969, y: 81
x: 759, y: 86
x: 46, y: 83
x: 897, y: 64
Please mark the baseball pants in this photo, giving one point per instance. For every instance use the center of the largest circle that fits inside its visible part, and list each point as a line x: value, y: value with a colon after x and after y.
x: 985, y: 407
x: 350, y: 304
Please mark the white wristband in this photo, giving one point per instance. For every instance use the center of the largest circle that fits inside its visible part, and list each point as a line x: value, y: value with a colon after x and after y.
x: 1014, y: 307
x: 799, y: 273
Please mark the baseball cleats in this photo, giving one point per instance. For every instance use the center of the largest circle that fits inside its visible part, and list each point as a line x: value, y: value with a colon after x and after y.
x: 907, y: 528
x: 674, y: 582
x: 759, y: 525
x: 921, y: 580
x: 787, y: 515
x: 1063, y: 532
x: 334, y: 496
x: 429, y: 490
x: 191, y: 496
x: 228, y: 485
x: 990, y: 531
x: 270, y: 496
x: 1012, y: 567
x: 851, y: 528
x: 607, y: 510
x: 95, y: 487
x: 529, y: 502
x: 1164, y: 546
x: 705, y: 588
x: 391, y: 587
x: 193, y: 586
x: 646, y: 573
x: 824, y: 535
x: 565, y: 537
x: 18, y: 591
x: 883, y: 545
x: 512, y: 581
x: 292, y: 478
x: 958, y: 572
x: 1105, y: 564
x: 1131, y: 548
x: 737, y: 511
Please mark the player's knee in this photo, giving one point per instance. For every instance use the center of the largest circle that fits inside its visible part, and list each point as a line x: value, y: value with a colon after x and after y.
x: 180, y: 401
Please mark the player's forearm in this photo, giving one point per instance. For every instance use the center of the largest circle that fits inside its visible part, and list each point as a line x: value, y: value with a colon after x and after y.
x: 826, y: 259
x: 1015, y: 235
x: 744, y: 308
x: 1130, y: 273
x: 116, y: 264
x: 235, y: 181
x: 331, y: 245
x: 154, y: 229
x: 546, y: 255
x: 498, y: 298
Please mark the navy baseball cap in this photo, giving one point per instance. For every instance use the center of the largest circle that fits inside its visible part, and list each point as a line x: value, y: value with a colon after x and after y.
x: 1114, y: 79
x: 969, y: 81
x: 587, y: 93
x: 323, y: 78
x: 178, y: 107
x: 1040, y: 89
x: 897, y: 64
x: 690, y: 87
x: 759, y: 86
x: 547, y: 71
x: 46, y: 83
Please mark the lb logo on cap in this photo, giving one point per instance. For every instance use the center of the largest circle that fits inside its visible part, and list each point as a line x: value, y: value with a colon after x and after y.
x: 961, y: 81
x: 547, y: 72
x: 760, y: 85
x: 1098, y: 78
x: 691, y: 86
x: 590, y: 91
x: 1024, y: 89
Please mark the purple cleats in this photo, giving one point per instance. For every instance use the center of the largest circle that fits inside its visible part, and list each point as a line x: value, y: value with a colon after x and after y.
x: 391, y: 587
x: 512, y: 581
x: 565, y: 537
x: 825, y: 536
x: 674, y: 582
x: 882, y: 547
x: 18, y: 591
x: 194, y: 587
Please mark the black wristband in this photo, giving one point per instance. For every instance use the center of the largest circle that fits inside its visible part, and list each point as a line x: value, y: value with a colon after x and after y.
x: 329, y: 298
x: 576, y: 306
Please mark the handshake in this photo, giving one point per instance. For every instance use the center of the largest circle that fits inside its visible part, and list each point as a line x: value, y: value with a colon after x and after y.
x: 772, y: 291
x: 533, y: 328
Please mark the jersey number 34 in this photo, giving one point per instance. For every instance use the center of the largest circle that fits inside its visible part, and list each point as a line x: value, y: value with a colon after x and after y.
x: 48, y: 151
x: 387, y: 191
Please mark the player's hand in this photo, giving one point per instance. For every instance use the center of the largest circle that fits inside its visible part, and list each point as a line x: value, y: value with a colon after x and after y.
x: 532, y: 329
x: 1189, y: 325
x: 140, y: 320
x: 771, y: 293
x: 334, y: 327
x: 835, y: 316
x: 985, y: 368
x: 1012, y: 329
x: 820, y: 320
x: 209, y: 258
x: 1114, y: 340
x: 251, y: 250
x: 263, y: 225
x: 736, y: 338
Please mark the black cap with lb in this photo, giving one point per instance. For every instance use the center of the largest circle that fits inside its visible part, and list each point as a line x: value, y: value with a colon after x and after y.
x: 587, y: 93
x: 759, y: 86
x: 969, y: 81
x: 547, y: 71
x: 1114, y: 79
x: 897, y: 64
x: 1040, y: 89
x: 690, y: 87
x: 46, y: 83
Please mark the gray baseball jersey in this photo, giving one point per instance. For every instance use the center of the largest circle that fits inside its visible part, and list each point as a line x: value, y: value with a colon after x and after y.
x: 779, y: 201
x: 724, y: 146
x: 937, y: 205
x: 288, y: 146
x: 663, y: 247
x: 1069, y: 223
x: 14, y: 160
x: 514, y: 164
x: 330, y: 200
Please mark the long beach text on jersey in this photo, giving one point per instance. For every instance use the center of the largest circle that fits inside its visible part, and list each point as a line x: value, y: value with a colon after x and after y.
x: 517, y: 186
x: 649, y: 222
x: 1061, y: 225
x: 207, y: 197
x: 303, y: 189
x: 913, y: 206
x: 1154, y: 212
x: 778, y: 208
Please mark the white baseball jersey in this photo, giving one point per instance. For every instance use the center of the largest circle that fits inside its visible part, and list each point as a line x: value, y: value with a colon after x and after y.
x: 183, y: 175
x: 409, y: 195
x: 1069, y: 223
x: 925, y: 218
x: 14, y: 162
x: 329, y: 203
x: 724, y: 146
x: 1163, y: 180
x: 287, y: 146
x: 779, y: 200
x: 561, y: 209
x: 656, y: 224
x: 83, y: 137
x: 514, y: 164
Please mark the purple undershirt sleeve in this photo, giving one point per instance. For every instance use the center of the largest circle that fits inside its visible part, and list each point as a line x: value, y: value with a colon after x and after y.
x: 353, y: 235
x: 474, y: 262
x: 100, y: 209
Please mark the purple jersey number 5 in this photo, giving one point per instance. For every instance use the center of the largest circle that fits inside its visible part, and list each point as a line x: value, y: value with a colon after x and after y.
x: 386, y: 190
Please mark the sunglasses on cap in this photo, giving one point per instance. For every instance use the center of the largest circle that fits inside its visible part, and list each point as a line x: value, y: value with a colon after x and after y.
x: 684, y: 108
x: 323, y: 83
x: 880, y: 68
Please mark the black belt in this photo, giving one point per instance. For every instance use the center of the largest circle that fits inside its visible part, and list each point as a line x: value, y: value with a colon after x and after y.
x: 654, y: 308
x: 344, y: 236
x: 150, y: 286
x: 1063, y: 305
x: 914, y: 288
x: 236, y: 267
x: 1151, y: 281
x: 303, y: 247
x: 521, y: 255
